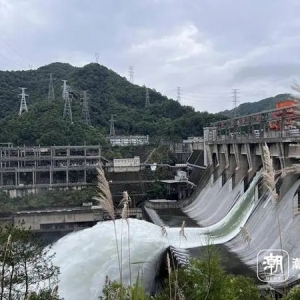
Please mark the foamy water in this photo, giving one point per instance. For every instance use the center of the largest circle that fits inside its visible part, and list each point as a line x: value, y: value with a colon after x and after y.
x: 86, y: 257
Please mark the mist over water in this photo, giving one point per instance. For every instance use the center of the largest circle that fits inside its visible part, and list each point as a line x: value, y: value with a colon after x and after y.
x: 86, y: 257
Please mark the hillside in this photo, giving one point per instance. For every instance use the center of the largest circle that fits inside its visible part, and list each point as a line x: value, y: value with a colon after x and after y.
x: 109, y: 94
x: 254, y: 107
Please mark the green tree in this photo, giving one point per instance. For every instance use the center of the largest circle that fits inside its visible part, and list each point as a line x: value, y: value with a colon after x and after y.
x: 25, y: 262
x: 202, y: 279
x: 44, y: 294
x: 242, y: 288
x: 110, y: 94
x: 294, y: 294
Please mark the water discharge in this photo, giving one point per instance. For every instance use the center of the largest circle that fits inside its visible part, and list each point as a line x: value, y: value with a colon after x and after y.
x: 87, y: 256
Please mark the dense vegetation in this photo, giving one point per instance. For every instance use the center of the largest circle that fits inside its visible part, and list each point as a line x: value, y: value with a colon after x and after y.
x: 254, y: 107
x: 51, y: 198
x: 202, y: 279
x: 25, y: 263
x: 109, y: 94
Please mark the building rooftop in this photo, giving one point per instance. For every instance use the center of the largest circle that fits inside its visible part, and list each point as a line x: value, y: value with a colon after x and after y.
x: 127, y: 136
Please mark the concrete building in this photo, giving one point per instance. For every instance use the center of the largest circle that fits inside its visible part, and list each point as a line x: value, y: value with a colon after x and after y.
x: 25, y: 170
x: 180, y: 187
x: 184, y: 149
x: 124, y: 165
x: 129, y: 140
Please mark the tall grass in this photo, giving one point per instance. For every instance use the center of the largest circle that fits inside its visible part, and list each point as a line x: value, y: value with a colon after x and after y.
x: 269, y: 172
x: 104, y: 198
x: 126, y: 203
x: 270, y: 183
x: 182, y: 233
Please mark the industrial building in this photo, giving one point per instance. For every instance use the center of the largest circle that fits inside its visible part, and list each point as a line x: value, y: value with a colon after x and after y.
x: 47, y: 167
x: 124, y: 165
x: 129, y: 140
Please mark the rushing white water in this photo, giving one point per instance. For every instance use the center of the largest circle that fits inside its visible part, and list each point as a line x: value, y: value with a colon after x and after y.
x: 87, y: 256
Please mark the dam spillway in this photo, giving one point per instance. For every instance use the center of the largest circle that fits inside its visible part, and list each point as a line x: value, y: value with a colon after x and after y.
x: 91, y: 254
x: 216, y: 214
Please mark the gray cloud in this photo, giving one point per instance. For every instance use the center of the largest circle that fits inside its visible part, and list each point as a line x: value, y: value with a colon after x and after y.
x: 206, y: 47
x: 276, y: 71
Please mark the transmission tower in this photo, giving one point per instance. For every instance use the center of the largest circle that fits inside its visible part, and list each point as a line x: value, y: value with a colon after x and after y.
x: 112, y: 126
x: 51, y: 95
x: 97, y: 57
x: 65, y: 92
x: 178, y: 94
x: 23, y: 105
x: 85, y: 108
x: 235, y: 100
x: 147, y: 98
x: 131, y: 73
x: 66, y: 98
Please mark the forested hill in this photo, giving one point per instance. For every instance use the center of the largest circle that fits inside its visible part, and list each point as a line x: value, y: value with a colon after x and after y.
x: 109, y: 94
x: 254, y: 107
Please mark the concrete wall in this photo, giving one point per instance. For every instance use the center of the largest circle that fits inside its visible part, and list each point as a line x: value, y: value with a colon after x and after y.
x: 46, y: 220
x: 25, y: 191
x: 35, y: 219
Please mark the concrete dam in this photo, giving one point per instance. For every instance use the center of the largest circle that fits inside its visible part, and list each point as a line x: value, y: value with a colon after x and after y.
x: 233, y: 206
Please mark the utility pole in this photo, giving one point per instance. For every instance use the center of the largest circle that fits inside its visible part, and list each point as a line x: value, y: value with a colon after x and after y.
x: 97, y: 57
x: 178, y: 94
x: 66, y: 98
x: 23, y: 105
x: 112, y: 126
x: 235, y: 100
x: 147, y: 98
x: 131, y: 73
x: 51, y: 95
x: 85, y: 108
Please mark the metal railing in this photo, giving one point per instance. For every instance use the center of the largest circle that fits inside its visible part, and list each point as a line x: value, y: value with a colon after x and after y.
x: 287, y: 134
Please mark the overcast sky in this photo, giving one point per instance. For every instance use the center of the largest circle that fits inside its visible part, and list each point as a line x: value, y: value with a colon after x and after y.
x: 207, y: 47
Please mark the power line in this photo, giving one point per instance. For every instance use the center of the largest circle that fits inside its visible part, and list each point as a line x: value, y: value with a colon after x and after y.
x: 131, y: 74
x: 22, y: 58
x: 203, y: 93
x: 200, y: 100
x: 23, y: 105
x: 11, y: 60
